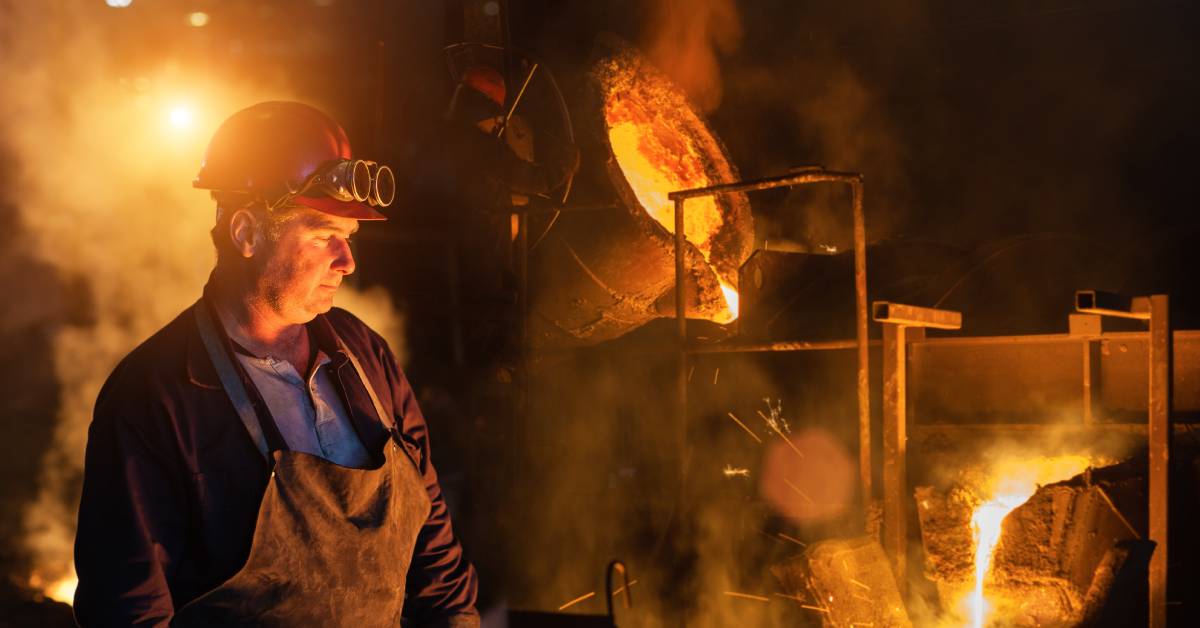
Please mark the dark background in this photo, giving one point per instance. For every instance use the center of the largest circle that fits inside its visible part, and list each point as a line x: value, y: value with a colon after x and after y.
x: 1013, y: 152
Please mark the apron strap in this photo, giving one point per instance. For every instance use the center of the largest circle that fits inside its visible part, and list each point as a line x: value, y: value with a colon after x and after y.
x: 384, y: 416
x: 235, y: 389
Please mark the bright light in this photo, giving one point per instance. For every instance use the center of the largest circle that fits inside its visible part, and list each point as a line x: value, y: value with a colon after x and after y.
x: 731, y: 297
x: 118, y: 4
x: 181, y: 117
x: 1015, y: 482
x: 198, y: 19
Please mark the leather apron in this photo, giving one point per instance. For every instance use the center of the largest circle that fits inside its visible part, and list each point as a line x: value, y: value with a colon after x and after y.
x: 332, y: 544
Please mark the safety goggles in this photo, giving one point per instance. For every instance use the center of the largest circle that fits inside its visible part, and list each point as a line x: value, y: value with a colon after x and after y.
x: 352, y: 180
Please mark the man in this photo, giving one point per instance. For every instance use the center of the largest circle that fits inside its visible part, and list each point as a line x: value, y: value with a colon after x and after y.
x: 261, y: 460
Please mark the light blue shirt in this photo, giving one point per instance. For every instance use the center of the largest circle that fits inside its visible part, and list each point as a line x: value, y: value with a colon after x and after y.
x: 309, y: 413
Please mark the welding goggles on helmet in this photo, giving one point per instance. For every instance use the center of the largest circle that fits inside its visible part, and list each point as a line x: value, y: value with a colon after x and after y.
x: 350, y: 180
x: 286, y: 153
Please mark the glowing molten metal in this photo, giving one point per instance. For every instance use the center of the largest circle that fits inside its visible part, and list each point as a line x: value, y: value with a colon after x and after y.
x: 1015, y: 481
x: 657, y: 160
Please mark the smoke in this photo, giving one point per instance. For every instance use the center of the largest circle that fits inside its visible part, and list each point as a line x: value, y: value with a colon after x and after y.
x: 684, y: 39
x: 101, y: 187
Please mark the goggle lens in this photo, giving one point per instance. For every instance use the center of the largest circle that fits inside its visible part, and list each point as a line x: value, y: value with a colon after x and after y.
x: 354, y: 180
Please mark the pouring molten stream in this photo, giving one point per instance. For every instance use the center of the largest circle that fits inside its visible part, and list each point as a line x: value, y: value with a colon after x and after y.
x: 656, y: 161
x: 1014, y: 482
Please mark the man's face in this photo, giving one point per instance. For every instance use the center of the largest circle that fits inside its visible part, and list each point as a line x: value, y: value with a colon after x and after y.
x: 299, y: 274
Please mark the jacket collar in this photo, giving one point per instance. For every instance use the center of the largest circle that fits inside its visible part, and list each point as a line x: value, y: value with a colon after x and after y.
x: 202, y: 373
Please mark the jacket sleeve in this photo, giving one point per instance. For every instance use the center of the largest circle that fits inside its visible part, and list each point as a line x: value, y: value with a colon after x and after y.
x: 442, y: 584
x: 130, y: 521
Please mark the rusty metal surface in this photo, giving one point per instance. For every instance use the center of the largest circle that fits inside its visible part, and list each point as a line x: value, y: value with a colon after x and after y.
x: 1159, y: 441
x: 914, y: 316
x: 781, y: 346
x: 894, y: 532
x: 845, y: 582
x: 1046, y: 378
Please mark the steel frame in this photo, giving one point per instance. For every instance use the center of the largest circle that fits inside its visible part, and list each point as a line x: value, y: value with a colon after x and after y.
x: 801, y: 176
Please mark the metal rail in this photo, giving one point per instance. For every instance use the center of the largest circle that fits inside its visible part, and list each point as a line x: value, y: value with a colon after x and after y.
x: 800, y: 176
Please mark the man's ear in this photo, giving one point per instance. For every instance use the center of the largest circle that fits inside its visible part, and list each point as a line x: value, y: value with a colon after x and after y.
x: 244, y: 232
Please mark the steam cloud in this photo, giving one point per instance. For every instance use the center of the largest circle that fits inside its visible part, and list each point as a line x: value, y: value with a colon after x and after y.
x: 684, y: 39
x: 102, y: 192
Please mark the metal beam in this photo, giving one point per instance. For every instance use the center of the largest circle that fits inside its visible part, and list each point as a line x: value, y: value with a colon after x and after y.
x: 914, y: 316
x: 1109, y: 304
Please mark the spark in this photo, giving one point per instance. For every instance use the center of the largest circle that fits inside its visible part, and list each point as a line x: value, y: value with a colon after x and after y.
x: 797, y: 489
x: 198, y: 19
x: 775, y: 428
x: 118, y: 4
x: 815, y: 608
x: 591, y: 594
x: 621, y: 589
x: 776, y: 411
x: 791, y: 597
x: 747, y: 596
x: 730, y: 471
x: 690, y: 371
x: 585, y: 596
x: 716, y: 375
x: 853, y: 581
x: 792, y: 539
x: 743, y: 426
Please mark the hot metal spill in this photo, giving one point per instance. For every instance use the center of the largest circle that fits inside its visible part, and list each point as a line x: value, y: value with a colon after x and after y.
x: 1013, y: 482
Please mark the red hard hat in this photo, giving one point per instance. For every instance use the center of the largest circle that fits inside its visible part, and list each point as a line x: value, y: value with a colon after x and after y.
x: 269, y: 149
x: 487, y: 81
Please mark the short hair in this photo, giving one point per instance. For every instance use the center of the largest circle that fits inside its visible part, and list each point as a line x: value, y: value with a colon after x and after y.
x: 271, y: 221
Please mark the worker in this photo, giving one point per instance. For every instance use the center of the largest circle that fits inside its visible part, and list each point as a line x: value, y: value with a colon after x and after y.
x: 261, y: 460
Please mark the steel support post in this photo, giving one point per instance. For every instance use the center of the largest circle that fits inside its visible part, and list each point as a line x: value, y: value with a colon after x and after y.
x: 1159, y: 443
x: 1156, y: 310
x: 860, y: 334
x: 896, y: 318
x: 681, y: 329
x: 894, y: 531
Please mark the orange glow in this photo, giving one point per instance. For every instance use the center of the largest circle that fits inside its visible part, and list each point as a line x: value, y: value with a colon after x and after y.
x: 731, y: 297
x: 60, y: 590
x: 1014, y: 482
x: 198, y: 19
x: 181, y: 117
x: 655, y: 160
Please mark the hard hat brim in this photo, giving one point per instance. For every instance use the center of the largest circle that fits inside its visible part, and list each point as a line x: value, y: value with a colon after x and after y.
x: 343, y: 209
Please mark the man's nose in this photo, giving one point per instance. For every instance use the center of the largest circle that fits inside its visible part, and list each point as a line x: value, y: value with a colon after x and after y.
x: 344, y: 262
